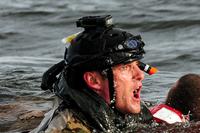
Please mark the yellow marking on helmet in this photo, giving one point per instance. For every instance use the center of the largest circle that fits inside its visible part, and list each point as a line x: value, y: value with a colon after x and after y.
x: 69, y: 38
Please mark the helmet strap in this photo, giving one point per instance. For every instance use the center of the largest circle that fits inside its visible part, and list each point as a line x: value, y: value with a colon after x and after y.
x: 111, y: 87
x: 109, y: 74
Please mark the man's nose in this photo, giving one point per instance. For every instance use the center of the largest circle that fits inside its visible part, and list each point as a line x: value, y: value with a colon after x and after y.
x: 139, y: 74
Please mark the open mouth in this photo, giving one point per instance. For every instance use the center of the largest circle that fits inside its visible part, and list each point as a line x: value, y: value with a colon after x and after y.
x: 136, y: 93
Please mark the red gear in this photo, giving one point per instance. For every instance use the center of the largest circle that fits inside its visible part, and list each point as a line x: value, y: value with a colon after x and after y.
x: 163, y: 113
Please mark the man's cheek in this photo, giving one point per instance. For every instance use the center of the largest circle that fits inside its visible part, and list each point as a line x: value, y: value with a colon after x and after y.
x: 121, y: 82
x: 125, y: 76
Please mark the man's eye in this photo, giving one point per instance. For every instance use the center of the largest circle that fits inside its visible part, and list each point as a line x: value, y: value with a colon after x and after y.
x: 137, y: 63
x: 125, y: 67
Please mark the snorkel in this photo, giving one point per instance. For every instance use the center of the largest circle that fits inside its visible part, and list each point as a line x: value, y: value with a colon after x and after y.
x: 147, y: 68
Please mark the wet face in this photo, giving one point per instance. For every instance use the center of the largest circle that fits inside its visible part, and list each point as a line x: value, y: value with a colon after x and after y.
x: 128, y: 84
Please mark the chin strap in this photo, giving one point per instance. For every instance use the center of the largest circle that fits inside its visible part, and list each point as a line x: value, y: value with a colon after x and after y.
x: 111, y: 87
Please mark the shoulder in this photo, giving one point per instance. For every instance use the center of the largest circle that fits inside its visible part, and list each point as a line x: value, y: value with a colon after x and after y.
x: 66, y: 121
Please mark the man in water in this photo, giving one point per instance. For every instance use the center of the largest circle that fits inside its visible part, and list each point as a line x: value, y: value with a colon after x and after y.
x: 185, y: 96
x: 99, y: 87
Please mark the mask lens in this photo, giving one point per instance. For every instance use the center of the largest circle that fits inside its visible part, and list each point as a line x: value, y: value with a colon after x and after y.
x: 132, y: 44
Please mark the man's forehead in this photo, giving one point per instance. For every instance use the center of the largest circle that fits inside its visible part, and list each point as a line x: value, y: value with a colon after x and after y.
x: 135, y: 62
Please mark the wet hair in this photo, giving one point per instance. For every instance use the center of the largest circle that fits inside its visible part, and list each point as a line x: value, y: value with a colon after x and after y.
x: 185, y: 95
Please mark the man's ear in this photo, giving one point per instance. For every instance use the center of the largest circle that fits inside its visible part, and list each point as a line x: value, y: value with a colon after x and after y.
x: 93, y: 80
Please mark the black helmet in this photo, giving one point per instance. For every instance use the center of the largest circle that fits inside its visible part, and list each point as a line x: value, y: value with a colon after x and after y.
x: 101, y: 46
x: 98, y: 48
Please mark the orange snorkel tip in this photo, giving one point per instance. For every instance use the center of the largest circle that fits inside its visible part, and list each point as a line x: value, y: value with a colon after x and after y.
x: 152, y: 70
x: 147, y: 68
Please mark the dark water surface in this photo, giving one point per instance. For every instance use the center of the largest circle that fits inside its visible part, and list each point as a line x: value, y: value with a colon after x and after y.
x: 30, y: 42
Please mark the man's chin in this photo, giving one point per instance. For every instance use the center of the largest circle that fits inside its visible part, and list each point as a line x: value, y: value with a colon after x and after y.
x: 136, y: 108
x: 137, y: 111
